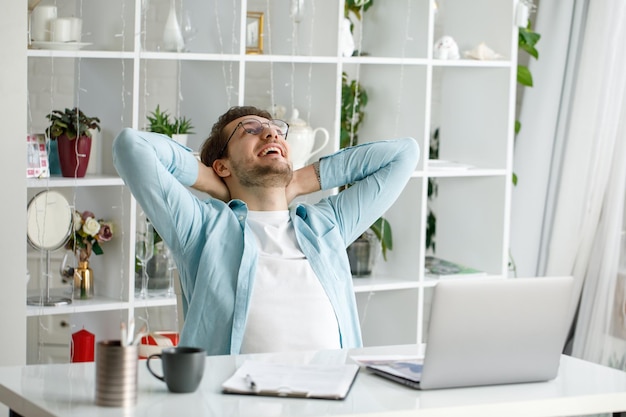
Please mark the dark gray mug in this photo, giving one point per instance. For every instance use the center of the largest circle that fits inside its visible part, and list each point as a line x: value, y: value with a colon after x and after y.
x: 183, y: 367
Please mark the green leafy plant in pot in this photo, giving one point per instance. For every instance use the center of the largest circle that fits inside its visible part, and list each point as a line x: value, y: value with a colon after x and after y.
x: 176, y: 128
x: 353, y: 101
x: 71, y: 128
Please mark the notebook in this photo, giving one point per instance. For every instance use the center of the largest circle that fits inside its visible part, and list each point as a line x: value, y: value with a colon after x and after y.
x: 486, y: 331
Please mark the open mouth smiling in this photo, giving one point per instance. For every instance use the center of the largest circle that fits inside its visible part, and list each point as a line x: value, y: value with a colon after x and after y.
x: 271, y: 150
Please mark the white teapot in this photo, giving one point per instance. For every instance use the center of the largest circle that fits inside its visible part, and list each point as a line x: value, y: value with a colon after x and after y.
x: 302, y: 139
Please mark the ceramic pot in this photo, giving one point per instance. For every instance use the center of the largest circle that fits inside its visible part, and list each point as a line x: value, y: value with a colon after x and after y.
x: 83, y: 281
x: 181, y: 138
x: 362, y: 254
x: 74, y: 155
x: 302, y: 140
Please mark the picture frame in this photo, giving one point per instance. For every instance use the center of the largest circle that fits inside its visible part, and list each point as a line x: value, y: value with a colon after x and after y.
x: 254, y: 33
x: 37, y: 165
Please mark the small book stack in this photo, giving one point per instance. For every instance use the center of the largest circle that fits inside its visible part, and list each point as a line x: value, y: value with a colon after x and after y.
x: 441, y: 268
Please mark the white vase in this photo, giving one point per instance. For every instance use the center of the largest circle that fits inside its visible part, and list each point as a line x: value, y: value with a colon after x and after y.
x: 346, y: 42
x: 172, y: 35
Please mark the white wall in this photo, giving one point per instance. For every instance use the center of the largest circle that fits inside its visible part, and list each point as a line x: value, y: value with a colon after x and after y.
x: 13, y: 88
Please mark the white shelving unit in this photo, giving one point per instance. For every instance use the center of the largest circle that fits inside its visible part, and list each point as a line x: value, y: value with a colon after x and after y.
x: 123, y: 75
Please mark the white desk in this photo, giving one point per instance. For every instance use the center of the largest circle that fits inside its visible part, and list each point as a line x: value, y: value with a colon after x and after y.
x: 68, y: 390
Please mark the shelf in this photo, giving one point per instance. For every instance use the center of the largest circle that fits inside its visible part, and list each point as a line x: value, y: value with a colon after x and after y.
x: 385, y: 60
x: 99, y: 304
x: 390, y: 283
x: 59, y: 53
x: 472, y: 63
x: 87, y: 181
x: 291, y: 58
x: 469, y: 172
x: 387, y: 283
x: 188, y: 56
x: 78, y: 306
x: 154, y: 301
x: 196, y: 56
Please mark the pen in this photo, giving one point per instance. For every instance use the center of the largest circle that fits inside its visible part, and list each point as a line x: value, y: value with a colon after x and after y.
x: 250, y: 382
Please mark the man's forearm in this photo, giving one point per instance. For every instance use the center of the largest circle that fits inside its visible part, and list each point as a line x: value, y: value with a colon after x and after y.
x: 305, y: 181
x: 352, y: 164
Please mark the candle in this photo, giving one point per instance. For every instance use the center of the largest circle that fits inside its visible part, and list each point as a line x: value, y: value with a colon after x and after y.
x: 83, y: 344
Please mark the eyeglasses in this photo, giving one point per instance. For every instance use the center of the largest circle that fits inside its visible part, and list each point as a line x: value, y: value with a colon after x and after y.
x: 255, y: 127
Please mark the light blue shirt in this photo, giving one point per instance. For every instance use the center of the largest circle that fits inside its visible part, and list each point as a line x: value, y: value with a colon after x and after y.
x: 215, y: 250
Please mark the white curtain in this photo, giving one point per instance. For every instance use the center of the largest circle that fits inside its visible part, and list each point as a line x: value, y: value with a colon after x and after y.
x: 582, y: 236
x: 543, y: 116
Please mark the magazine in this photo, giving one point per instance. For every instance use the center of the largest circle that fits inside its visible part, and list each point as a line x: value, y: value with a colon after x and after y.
x: 441, y: 268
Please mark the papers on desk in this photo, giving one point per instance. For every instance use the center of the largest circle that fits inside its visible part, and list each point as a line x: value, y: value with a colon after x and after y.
x: 287, y: 380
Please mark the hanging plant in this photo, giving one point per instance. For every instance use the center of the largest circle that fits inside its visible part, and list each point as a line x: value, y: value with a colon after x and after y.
x: 431, y: 218
x: 526, y: 41
x: 355, y: 7
x: 353, y: 102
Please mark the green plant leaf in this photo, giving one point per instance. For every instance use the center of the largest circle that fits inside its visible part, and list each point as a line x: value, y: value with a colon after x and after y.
x: 356, y: 7
x: 524, y: 76
x: 518, y: 126
x: 382, y: 230
x: 71, y: 123
x: 527, y: 39
x: 160, y: 122
x: 353, y: 99
x: 514, y: 178
x: 97, y: 249
x: 431, y: 230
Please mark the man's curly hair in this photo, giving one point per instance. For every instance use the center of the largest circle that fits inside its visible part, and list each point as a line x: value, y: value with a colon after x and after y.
x: 212, y: 146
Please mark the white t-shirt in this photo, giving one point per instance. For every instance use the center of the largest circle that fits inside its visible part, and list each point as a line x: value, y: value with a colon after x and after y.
x: 289, y: 309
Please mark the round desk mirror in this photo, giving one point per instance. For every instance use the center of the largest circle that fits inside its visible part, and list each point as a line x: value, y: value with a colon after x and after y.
x: 49, y: 227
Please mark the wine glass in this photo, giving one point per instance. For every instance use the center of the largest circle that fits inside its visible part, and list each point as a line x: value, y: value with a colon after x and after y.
x: 189, y: 32
x: 144, y: 251
x: 171, y: 266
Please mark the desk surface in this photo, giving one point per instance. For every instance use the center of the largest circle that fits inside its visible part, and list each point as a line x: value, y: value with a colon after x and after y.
x: 68, y: 390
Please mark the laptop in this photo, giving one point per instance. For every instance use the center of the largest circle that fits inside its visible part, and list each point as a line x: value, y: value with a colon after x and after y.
x: 487, y: 331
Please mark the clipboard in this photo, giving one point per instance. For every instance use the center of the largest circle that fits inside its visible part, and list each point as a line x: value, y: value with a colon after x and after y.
x: 331, y: 382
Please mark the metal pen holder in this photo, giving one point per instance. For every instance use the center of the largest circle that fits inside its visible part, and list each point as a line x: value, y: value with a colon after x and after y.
x: 116, y: 374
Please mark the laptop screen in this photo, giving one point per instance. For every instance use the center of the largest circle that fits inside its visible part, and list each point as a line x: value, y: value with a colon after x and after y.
x: 495, y: 331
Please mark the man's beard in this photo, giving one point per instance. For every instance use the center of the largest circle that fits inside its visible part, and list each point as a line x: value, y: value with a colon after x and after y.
x: 264, y: 176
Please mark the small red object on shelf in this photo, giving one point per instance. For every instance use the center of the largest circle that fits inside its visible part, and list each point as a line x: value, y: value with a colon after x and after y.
x: 83, y: 345
x: 155, y: 342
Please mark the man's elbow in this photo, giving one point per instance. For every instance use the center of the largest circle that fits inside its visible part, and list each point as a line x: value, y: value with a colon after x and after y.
x: 124, y: 138
x: 411, y: 151
x: 123, y: 146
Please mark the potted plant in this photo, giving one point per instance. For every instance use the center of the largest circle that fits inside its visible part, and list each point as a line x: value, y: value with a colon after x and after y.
x: 66, y: 127
x: 363, y: 251
x: 177, y: 128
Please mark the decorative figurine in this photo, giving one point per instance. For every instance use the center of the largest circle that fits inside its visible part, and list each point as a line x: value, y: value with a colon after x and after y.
x: 446, y: 48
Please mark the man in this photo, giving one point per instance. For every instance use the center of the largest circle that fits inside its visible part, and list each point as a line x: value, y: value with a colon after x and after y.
x: 256, y: 274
